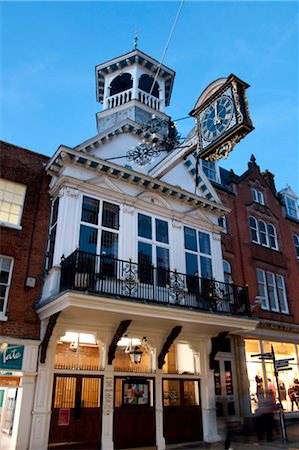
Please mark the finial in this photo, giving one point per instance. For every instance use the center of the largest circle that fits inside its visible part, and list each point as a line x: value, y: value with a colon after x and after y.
x: 136, y: 40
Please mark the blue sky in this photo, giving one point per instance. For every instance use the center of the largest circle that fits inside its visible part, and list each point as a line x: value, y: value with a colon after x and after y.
x: 49, y: 51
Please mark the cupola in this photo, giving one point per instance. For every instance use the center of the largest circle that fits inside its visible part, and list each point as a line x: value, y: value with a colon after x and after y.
x: 133, y: 86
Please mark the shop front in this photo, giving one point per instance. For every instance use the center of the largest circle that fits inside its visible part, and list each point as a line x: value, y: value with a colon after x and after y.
x: 18, y: 361
x: 261, y: 374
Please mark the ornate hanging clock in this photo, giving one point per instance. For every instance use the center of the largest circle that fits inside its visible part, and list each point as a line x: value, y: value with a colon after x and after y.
x: 222, y: 117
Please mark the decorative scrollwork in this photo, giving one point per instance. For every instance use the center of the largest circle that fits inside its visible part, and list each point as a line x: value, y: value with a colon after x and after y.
x: 237, y: 102
x: 177, y: 287
x: 143, y: 154
x: 225, y: 149
x: 130, y: 281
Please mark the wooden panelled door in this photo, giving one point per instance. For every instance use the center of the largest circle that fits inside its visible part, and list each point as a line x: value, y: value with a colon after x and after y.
x: 76, y: 412
x: 134, y: 413
x: 182, y: 411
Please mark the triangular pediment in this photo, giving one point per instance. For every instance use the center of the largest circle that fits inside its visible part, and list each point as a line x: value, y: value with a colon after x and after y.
x: 198, y: 215
x: 154, y: 199
x: 103, y: 182
x: 190, y: 177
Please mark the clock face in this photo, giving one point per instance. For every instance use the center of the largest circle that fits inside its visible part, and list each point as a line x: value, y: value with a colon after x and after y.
x: 216, y: 118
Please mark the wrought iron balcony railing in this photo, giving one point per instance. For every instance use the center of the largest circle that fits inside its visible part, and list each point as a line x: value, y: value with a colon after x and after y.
x: 104, y: 275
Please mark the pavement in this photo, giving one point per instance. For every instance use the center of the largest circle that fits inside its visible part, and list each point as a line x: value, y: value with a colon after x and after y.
x: 251, y: 443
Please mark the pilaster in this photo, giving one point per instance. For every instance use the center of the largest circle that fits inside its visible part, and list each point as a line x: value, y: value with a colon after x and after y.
x: 108, y: 410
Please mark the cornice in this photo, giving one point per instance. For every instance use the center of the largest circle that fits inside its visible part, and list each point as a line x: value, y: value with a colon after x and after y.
x: 65, y: 157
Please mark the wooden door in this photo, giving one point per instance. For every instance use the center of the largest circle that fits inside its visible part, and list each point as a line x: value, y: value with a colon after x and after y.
x: 181, y: 411
x: 76, y: 413
x: 134, y: 415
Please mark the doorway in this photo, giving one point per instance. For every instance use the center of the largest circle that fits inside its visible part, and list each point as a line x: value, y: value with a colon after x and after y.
x: 76, y: 412
x: 182, y: 411
x: 134, y: 412
x: 225, y: 387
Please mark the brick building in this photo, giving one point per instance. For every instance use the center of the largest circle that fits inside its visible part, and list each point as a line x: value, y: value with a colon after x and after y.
x: 260, y: 249
x: 24, y: 216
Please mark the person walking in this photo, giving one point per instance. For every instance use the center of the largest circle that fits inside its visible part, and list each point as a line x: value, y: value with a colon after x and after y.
x: 265, y: 416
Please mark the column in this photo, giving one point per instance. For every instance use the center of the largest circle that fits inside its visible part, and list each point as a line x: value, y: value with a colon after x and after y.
x: 160, y: 441
x: 209, y: 419
x: 41, y: 414
x: 27, y: 395
x: 243, y: 383
x: 108, y: 408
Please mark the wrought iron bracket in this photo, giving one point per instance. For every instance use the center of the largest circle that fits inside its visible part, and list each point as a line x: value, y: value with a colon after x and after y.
x: 122, y: 328
x: 172, y: 336
x: 47, y: 337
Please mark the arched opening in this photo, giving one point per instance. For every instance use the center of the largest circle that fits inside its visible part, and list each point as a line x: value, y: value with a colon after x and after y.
x: 146, y: 83
x: 121, y: 83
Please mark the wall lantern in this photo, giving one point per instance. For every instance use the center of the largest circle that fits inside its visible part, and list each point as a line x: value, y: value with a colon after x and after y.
x: 135, y: 355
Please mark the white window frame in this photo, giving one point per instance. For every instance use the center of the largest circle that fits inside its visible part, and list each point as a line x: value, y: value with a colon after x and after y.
x: 258, y: 196
x: 153, y: 241
x: 296, y: 244
x: 198, y: 253
x: 8, y: 201
x: 268, y: 232
x: 272, y: 234
x: 222, y: 222
x: 271, y: 286
x: 99, y: 227
x: 262, y: 289
x: 263, y: 233
x: 8, y: 284
x: 210, y: 168
x: 254, y: 229
x: 291, y: 205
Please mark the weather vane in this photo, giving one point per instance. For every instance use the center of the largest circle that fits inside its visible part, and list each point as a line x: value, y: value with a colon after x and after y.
x: 136, y: 40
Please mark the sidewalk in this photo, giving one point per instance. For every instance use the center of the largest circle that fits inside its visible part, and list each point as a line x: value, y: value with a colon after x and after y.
x: 251, y: 443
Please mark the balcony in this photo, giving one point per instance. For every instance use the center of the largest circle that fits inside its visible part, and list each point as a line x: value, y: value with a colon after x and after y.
x: 103, y: 275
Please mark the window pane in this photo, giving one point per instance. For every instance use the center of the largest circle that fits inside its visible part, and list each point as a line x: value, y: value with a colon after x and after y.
x: 55, y: 211
x: 110, y: 217
x: 144, y: 226
x: 171, y: 393
x: 162, y: 231
x: 12, y: 197
x: 145, y: 263
x: 272, y: 291
x: 191, y: 395
x: 51, y: 247
x: 163, y: 266
x: 204, y: 243
x: 90, y: 210
x: 206, y: 267
x: 192, y: 272
x: 191, y: 264
x: 296, y: 243
x: 263, y: 232
x: 262, y: 288
x: 190, y: 239
x: 282, y: 297
x: 253, y: 229
x: 272, y: 236
x: 109, y: 244
x: 88, y: 239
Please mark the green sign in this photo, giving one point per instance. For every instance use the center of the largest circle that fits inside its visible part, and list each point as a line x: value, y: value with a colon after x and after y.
x: 11, y: 356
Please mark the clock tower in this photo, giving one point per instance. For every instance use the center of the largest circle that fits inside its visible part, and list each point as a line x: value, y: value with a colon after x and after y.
x: 133, y: 86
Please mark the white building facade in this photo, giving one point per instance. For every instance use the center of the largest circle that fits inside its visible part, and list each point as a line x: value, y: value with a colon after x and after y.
x: 135, y: 270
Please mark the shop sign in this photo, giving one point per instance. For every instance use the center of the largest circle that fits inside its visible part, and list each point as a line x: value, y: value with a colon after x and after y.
x: 64, y: 417
x: 11, y: 356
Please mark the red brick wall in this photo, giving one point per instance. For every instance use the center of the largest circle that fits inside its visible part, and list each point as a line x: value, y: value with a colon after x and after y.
x: 28, y: 245
x: 246, y: 256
